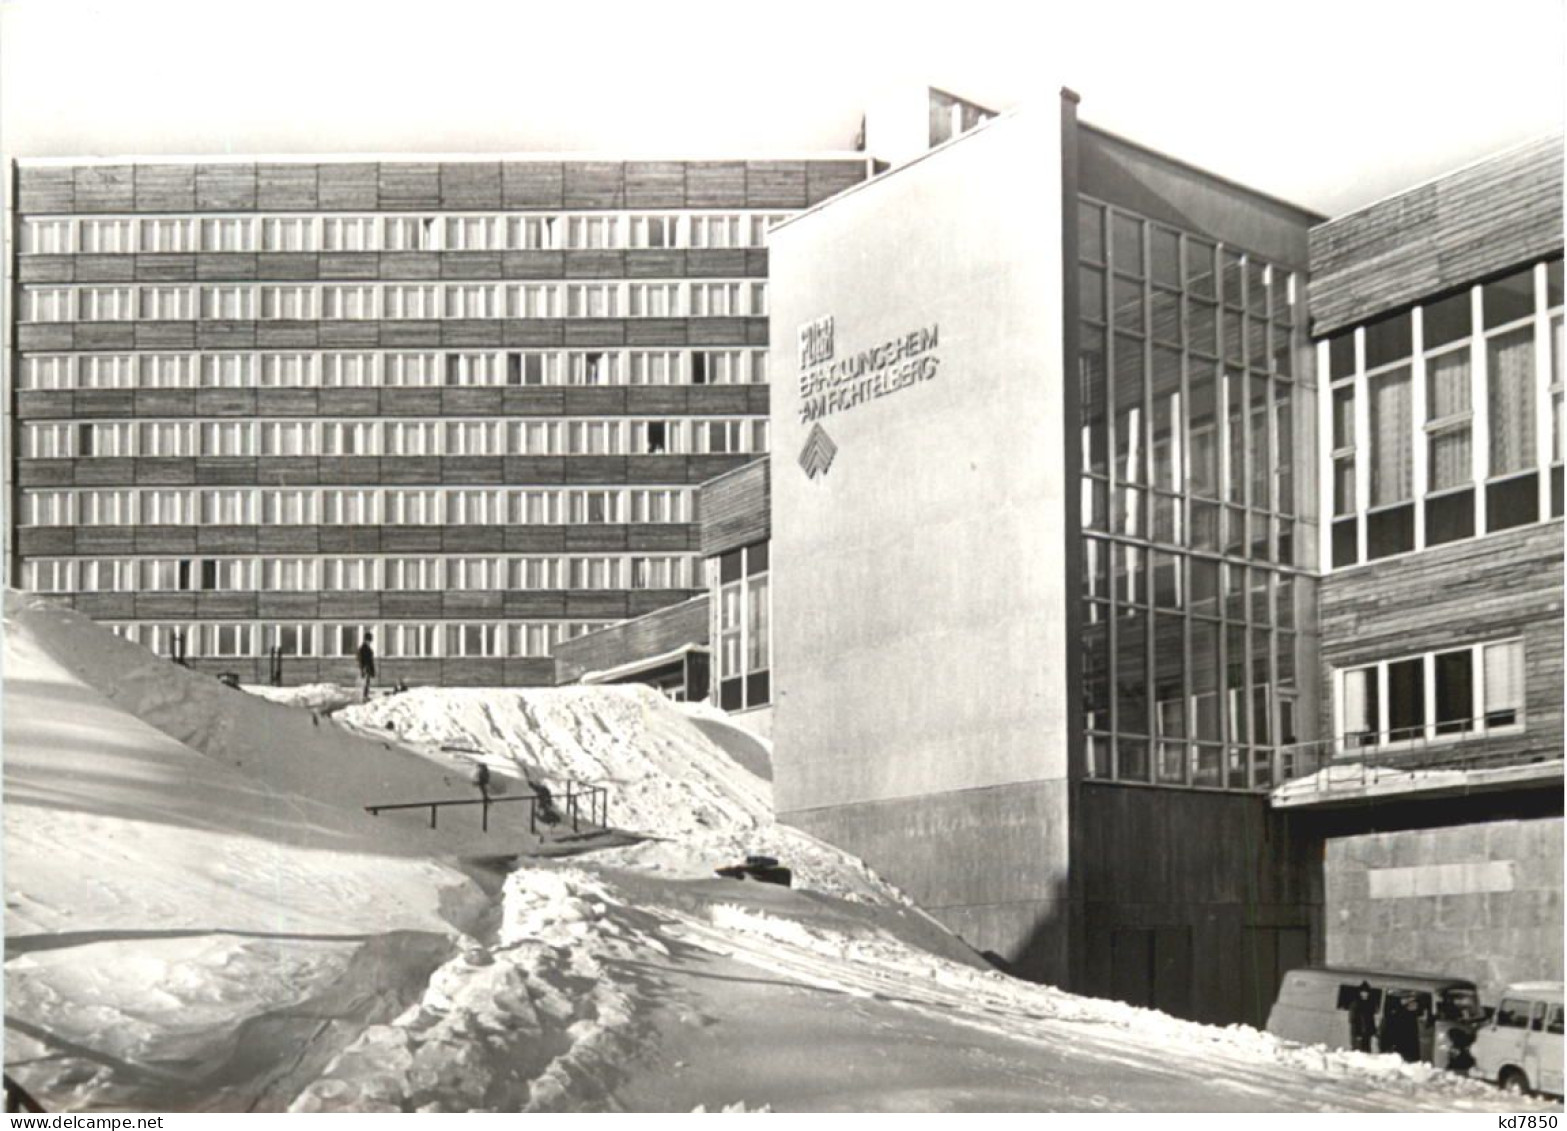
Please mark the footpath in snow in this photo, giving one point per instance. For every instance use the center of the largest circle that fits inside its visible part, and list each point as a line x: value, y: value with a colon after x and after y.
x: 202, y: 916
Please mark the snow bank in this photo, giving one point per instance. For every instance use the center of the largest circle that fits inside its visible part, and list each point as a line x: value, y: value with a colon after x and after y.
x: 160, y: 899
x: 537, y: 1020
x: 667, y: 780
x: 323, y: 697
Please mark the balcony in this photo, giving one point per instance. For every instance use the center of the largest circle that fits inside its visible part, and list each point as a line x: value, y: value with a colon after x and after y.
x: 1469, y: 756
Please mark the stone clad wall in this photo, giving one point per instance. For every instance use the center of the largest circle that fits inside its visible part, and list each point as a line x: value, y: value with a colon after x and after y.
x: 1479, y: 901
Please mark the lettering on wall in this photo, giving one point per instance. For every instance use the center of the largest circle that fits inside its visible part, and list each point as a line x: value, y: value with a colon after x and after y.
x: 830, y: 385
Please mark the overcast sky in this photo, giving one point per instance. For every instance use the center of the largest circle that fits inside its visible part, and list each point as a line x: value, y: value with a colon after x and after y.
x: 1328, y: 103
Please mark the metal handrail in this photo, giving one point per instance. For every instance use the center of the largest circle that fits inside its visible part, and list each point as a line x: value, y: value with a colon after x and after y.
x: 597, y: 798
x: 1405, y: 749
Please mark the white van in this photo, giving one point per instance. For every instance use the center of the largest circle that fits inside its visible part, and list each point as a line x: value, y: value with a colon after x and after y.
x: 1520, y: 1047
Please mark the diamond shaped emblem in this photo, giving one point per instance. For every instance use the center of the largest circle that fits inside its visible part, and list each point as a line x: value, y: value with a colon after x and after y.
x: 817, y: 455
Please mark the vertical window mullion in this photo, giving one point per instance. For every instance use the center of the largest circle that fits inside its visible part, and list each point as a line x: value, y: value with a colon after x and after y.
x: 1363, y: 439
x: 1420, y: 452
x: 1480, y: 402
x: 1542, y: 387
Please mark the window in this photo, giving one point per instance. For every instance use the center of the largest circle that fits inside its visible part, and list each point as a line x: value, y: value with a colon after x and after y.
x: 288, y: 574
x: 287, y: 370
x: 654, y: 300
x: 592, y: 232
x: 288, y: 302
x: 226, y: 370
x: 532, y: 300
x: 472, y: 233
x: 524, y: 233
x: 742, y: 628
x: 168, y: 235
x: 348, y: 370
x: 47, y: 237
x: 228, y: 235
x: 168, y: 304
x: 715, y: 300
x: 412, y: 369
x: 409, y: 233
x: 1443, y: 694
x: 228, y: 508
x: 280, y: 233
x: 533, y: 369
x: 350, y: 438
x: 592, y: 300
x: 349, y: 233
x: 107, y: 236
x: 1480, y: 363
x: 594, y: 367
x: 660, y: 367
x: 47, y: 371
x: 348, y: 302
x: 653, y: 231
x: 472, y: 300
x: 106, y: 304
x: 228, y: 438
x: 234, y: 303
x: 167, y: 438
x: 716, y: 231
x: 413, y: 507
x: 411, y: 301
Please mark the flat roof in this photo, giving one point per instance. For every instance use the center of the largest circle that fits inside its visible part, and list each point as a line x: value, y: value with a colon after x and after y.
x: 1423, y: 784
x: 425, y: 158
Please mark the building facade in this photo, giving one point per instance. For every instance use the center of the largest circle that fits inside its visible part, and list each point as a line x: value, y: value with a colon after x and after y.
x: 1087, y: 598
x: 261, y: 407
x: 1437, y: 779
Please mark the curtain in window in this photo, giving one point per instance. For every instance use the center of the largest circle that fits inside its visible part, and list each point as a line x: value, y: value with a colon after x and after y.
x: 1504, y: 682
x: 1392, y: 467
x: 1360, y: 707
x: 1511, y: 371
x: 1448, y: 396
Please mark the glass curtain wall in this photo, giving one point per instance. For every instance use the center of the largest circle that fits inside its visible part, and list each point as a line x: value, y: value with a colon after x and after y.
x: 1189, y: 413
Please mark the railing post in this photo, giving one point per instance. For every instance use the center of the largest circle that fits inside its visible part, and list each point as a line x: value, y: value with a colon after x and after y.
x: 484, y: 823
x: 433, y: 808
x: 533, y: 815
x: 571, y: 804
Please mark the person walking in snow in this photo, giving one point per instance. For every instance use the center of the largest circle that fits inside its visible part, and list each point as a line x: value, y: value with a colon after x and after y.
x: 366, y: 656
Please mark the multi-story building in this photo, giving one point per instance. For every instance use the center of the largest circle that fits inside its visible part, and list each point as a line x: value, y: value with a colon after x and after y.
x: 1436, y: 783
x: 263, y: 406
x: 1057, y: 646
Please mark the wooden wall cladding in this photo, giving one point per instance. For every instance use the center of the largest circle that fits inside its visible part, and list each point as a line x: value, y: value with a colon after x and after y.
x: 45, y: 189
x: 595, y: 184
x: 225, y: 188
x: 655, y: 184
x: 470, y: 185
x: 1492, y: 588
x: 1450, y: 232
x: 104, y: 188
x: 165, y: 188
x: 736, y: 509
x: 828, y: 178
x: 533, y: 184
x: 287, y: 187
x: 408, y: 186
x: 348, y: 187
x: 715, y: 184
x: 46, y: 269
x: 775, y: 184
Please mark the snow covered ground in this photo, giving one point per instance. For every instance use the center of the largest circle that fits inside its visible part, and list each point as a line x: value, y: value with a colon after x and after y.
x: 201, y: 916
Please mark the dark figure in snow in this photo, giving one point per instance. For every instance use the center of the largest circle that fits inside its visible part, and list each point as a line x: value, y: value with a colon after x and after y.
x: 1459, y: 1059
x: 1362, y: 1018
x: 366, y: 656
x: 481, y: 778
x: 1401, y: 1027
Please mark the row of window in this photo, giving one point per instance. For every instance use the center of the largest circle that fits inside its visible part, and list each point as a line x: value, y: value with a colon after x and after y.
x: 742, y: 627
x: 392, y: 369
x: 1441, y: 418
x: 330, y: 640
x: 446, y: 437
x: 359, y: 574
x: 1139, y: 577
x: 391, y: 301
x: 381, y: 232
x: 1424, y: 698
x: 355, y: 506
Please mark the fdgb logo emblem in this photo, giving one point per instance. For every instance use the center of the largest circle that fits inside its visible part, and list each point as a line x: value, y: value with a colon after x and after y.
x: 816, y: 342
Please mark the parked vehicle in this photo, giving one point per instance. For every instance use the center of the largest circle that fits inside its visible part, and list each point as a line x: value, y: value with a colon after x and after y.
x: 1520, y: 1047
x: 1314, y: 1005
